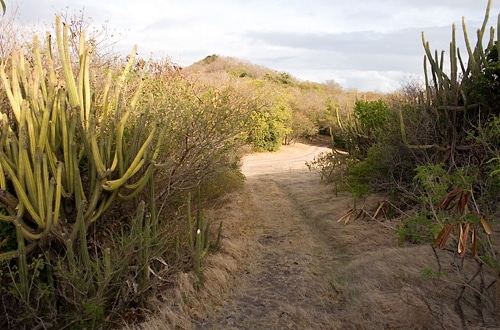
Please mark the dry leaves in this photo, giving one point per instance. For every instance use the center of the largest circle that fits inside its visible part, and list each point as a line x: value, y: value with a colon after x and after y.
x: 457, y: 202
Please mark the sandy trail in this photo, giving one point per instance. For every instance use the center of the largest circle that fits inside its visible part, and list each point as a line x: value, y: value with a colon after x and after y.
x: 306, y: 270
x: 286, y: 286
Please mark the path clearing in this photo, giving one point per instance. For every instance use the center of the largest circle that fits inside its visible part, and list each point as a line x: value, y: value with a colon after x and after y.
x: 287, y: 263
x: 289, y: 284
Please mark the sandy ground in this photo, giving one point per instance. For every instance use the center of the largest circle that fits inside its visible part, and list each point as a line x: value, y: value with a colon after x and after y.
x: 287, y: 263
x: 299, y: 245
x: 283, y: 287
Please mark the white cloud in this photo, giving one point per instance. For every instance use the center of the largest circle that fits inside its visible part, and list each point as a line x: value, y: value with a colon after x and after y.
x: 369, y: 43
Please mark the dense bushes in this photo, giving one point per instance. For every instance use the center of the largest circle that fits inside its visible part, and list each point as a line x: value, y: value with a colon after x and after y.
x: 434, y: 149
x: 96, y: 163
x: 99, y: 156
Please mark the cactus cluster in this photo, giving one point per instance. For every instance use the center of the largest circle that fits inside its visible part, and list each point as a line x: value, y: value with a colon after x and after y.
x: 199, y: 236
x: 450, y: 98
x: 63, y: 157
x: 448, y: 91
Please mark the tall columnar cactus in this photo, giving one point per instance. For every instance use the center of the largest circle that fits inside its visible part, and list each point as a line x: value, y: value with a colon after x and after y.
x: 63, y: 157
x: 460, y: 116
x: 448, y: 96
x: 447, y: 91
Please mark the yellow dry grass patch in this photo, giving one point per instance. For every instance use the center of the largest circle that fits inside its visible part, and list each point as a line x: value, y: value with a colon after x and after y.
x: 185, y: 302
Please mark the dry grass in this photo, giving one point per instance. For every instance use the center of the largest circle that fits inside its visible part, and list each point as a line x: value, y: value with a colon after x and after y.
x: 185, y: 302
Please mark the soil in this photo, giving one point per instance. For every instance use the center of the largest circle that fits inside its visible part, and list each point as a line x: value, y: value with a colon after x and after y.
x: 285, y: 285
x: 287, y: 262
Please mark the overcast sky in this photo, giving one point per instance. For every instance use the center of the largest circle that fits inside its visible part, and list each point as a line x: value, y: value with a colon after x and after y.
x: 364, y: 44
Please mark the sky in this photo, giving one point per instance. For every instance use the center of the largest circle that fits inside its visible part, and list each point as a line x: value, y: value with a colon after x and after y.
x: 370, y: 45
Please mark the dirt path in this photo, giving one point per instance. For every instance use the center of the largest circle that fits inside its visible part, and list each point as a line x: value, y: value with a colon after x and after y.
x: 287, y: 263
x: 289, y: 283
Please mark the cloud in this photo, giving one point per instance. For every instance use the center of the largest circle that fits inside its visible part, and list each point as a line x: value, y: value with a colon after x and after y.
x: 357, y: 50
x: 314, y: 40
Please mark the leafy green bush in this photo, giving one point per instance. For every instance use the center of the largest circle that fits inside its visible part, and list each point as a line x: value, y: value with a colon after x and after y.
x: 267, y: 126
x: 332, y: 167
x: 418, y: 229
x: 205, y: 129
x: 372, y: 116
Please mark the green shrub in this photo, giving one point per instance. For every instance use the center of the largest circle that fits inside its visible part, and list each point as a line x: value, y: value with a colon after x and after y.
x: 372, y: 116
x: 421, y: 228
x: 375, y: 173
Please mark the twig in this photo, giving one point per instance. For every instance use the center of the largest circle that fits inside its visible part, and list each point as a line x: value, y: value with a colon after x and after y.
x: 437, y: 258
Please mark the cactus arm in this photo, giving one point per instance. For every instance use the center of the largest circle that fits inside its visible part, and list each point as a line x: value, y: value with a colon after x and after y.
x: 105, y: 204
x: 96, y: 153
x: 44, y: 131
x: 498, y: 34
x: 453, y: 56
x: 189, y: 219
x: 485, y: 21
x: 62, y: 45
x: 58, y: 193
x: 58, y: 131
x: 49, y: 215
x: 472, y: 58
x: 21, y: 194
x: 139, y: 185
x: 39, y: 68
x: 39, y: 185
x: 23, y: 264
x: 15, y: 104
x: 84, y: 82
x: 134, y: 167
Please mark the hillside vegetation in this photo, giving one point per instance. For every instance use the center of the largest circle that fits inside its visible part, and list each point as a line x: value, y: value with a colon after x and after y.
x: 107, y: 163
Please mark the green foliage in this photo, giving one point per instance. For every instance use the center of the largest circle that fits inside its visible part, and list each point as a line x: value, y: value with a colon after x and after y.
x: 228, y: 181
x: 429, y: 273
x: 73, y: 154
x: 38, y: 275
x: 496, y: 171
x: 7, y: 237
x: 434, y: 181
x: 492, y: 262
x: 49, y: 143
x: 370, y: 174
x: 281, y: 78
x: 332, y: 167
x: 372, y: 116
x: 459, y: 103
x: 65, y: 293
x: 205, y: 128
x: 360, y: 179
x: 210, y: 58
x: 421, y: 228
x: 241, y: 73
x: 369, y: 123
x: 485, y: 87
x: 267, y: 126
x: 265, y: 133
